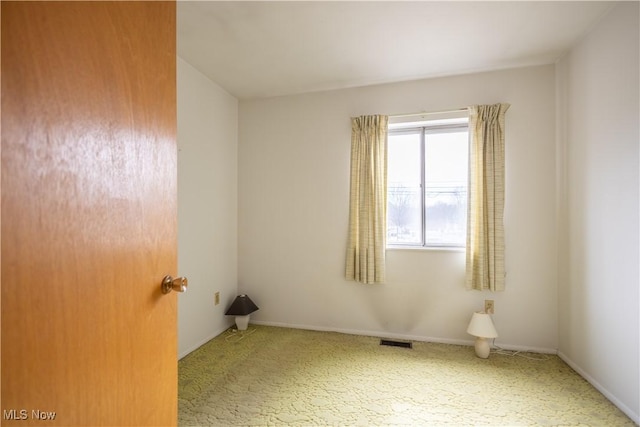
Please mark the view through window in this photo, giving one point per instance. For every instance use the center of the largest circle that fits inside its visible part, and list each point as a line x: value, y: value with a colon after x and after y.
x: 427, y: 172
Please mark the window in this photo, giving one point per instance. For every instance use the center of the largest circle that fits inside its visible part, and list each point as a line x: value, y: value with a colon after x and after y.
x: 427, y: 173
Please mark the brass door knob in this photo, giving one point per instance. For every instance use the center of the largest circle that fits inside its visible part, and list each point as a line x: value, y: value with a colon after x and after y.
x: 179, y: 284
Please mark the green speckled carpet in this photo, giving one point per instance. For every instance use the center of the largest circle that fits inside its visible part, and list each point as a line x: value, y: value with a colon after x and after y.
x: 290, y: 377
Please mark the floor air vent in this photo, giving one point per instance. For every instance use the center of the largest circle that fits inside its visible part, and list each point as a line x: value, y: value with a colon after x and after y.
x: 404, y: 344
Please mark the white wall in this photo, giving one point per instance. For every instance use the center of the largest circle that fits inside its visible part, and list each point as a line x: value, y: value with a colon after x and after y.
x: 293, y: 208
x: 598, y: 142
x: 207, y: 206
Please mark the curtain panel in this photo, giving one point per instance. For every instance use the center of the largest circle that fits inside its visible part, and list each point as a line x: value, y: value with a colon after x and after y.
x: 366, y: 244
x: 485, y: 229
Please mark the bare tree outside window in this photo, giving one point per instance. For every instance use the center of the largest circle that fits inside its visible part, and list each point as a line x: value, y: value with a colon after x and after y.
x: 403, y: 203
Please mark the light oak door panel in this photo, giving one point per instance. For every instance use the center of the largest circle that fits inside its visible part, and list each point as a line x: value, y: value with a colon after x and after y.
x: 89, y: 225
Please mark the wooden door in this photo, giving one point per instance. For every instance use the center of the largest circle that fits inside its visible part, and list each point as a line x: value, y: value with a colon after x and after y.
x: 88, y: 213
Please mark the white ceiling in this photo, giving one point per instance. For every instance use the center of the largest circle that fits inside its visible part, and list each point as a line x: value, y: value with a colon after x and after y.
x: 268, y: 48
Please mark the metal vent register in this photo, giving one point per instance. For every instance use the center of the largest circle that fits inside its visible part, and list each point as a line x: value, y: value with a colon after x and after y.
x: 393, y: 343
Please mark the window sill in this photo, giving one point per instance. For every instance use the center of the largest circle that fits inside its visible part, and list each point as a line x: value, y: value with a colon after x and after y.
x: 427, y: 248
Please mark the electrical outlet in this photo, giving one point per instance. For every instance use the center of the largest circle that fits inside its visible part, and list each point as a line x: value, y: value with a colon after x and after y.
x: 216, y: 298
x: 488, y: 306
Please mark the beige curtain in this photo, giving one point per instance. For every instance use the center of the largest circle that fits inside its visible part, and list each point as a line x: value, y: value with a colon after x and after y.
x: 485, y: 231
x: 368, y: 200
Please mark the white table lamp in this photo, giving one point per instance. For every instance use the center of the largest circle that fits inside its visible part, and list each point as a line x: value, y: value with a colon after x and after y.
x: 482, y: 328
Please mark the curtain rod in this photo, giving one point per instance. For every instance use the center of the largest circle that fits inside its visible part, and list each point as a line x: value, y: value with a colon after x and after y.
x: 425, y: 113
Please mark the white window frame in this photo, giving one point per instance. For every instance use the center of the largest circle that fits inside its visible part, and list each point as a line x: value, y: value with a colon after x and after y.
x: 445, y: 122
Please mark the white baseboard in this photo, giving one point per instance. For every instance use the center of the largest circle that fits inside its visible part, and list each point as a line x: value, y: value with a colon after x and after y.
x: 380, y: 334
x: 203, y: 342
x: 624, y: 408
x: 363, y: 333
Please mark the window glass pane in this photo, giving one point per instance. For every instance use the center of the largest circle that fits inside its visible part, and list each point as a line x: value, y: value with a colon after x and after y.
x: 446, y: 158
x: 404, y: 177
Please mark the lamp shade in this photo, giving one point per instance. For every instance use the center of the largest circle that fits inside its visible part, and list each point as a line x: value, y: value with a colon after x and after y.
x: 482, y: 326
x: 241, y: 306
